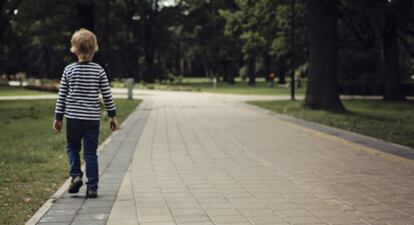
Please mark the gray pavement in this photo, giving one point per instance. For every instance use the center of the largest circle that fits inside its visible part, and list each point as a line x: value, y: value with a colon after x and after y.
x: 211, y: 159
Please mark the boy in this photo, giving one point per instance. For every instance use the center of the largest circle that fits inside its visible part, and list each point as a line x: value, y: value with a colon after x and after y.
x: 78, y: 101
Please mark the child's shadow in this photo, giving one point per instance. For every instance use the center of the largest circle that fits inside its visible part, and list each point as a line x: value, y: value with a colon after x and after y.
x: 80, y: 196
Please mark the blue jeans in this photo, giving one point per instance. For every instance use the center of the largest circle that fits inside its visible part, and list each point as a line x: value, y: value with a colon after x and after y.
x: 88, y: 132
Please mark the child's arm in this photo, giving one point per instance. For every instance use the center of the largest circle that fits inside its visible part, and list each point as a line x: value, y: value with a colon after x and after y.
x: 108, y: 101
x: 60, y: 103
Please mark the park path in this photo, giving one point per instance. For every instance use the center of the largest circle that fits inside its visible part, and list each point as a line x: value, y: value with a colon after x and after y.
x: 207, y: 159
x: 211, y: 159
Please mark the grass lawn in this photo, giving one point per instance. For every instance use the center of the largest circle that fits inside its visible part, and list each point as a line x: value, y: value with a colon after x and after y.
x: 390, y: 121
x: 33, y: 159
x: 261, y: 88
x: 12, y: 91
x: 205, y: 85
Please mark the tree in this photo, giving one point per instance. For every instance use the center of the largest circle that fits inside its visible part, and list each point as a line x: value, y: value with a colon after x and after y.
x: 388, y: 22
x: 263, y: 27
x: 322, y: 90
x: 150, y: 18
x: 38, y: 44
x: 242, y: 23
x: 7, y: 11
x: 216, y: 53
x: 392, y: 82
x: 397, y: 15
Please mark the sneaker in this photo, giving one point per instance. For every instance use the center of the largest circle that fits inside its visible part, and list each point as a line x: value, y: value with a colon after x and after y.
x: 75, y: 185
x: 91, y: 193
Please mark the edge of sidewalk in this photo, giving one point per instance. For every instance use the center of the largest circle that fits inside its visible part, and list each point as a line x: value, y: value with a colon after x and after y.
x: 35, y: 218
x: 371, y: 144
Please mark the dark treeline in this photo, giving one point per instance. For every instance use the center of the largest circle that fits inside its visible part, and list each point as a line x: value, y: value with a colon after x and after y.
x: 365, y: 45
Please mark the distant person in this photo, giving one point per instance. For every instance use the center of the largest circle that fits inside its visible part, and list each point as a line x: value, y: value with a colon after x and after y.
x: 78, y: 101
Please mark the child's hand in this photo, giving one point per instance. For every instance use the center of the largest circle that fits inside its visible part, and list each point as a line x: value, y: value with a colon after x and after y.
x: 57, y: 126
x: 113, y: 123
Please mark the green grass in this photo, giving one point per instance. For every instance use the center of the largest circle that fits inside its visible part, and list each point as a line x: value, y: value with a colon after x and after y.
x: 32, y: 158
x: 12, y: 91
x: 390, y: 121
x: 205, y: 85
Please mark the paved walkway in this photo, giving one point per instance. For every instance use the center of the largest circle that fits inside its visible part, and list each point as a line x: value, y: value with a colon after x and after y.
x: 211, y: 159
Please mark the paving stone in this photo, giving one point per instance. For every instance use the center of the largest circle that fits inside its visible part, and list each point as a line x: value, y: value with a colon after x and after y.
x: 388, y: 214
x: 60, y: 212
x: 94, y: 210
x: 266, y: 220
x: 129, y: 222
x: 187, y: 211
x: 304, y: 220
x: 222, y: 212
x: 192, y: 218
x: 293, y: 213
x: 286, y: 206
x: 56, y: 218
x: 93, y: 216
x: 158, y: 218
x: 399, y: 221
x: 64, y: 206
x: 88, y: 222
x: 342, y: 220
x: 228, y: 219
x: 159, y: 223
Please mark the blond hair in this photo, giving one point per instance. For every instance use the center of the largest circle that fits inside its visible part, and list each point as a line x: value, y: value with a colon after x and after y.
x: 84, y: 44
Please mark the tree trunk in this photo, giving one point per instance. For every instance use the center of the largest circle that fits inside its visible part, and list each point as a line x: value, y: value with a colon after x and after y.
x: 252, y: 71
x: 149, y: 41
x: 322, y: 91
x: 393, y: 89
x: 227, y: 73
x: 281, y: 73
x: 190, y: 67
x: 107, y: 54
x: 86, y: 15
x: 230, y: 73
x: 267, y: 65
x: 177, y: 59
x: 182, y: 66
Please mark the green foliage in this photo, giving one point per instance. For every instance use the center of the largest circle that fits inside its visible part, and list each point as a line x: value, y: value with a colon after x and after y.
x: 264, y: 29
x: 362, y: 27
x: 151, y: 41
x: 36, y: 43
x: 218, y: 54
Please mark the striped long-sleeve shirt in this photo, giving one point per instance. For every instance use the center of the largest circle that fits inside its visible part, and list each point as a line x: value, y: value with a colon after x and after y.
x: 79, y: 91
